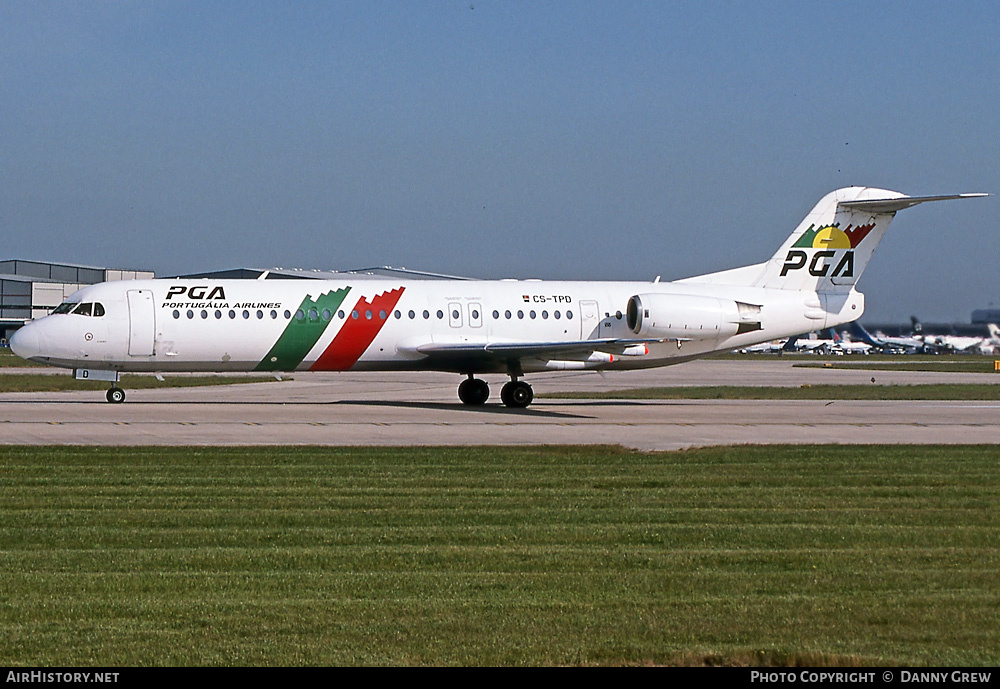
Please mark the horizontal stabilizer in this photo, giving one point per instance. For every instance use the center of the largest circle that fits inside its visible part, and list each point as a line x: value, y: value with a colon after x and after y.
x: 898, y: 204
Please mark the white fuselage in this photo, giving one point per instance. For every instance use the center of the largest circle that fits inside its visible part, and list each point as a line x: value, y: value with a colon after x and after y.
x: 472, y: 326
x: 374, y: 324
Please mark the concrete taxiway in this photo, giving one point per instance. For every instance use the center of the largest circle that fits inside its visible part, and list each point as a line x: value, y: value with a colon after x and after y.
x: 422, y: 409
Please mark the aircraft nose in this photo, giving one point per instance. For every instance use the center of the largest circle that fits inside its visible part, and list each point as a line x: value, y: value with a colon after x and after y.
x: 24, y: 342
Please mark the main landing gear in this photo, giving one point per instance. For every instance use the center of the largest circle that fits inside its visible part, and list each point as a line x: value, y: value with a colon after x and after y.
x: 474, y: 392
x: 116, y: 395
x: 516, y: 394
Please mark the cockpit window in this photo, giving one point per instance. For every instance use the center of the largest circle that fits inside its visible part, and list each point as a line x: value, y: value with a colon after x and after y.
x: 88, y: 308
x: 65, y: 307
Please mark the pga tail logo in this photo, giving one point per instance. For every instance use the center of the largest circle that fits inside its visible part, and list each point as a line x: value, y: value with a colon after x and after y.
x: 829, y: 238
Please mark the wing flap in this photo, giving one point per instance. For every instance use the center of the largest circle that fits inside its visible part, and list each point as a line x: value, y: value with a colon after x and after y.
x: 518, y: 350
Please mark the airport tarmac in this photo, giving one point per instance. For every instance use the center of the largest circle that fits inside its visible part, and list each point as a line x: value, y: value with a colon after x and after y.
x: 423, y: 409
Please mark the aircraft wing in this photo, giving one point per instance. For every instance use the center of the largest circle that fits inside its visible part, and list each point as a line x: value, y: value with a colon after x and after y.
x: 502, y: 351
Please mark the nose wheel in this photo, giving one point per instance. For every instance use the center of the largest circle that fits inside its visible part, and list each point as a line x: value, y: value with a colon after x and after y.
x: 116, y: 395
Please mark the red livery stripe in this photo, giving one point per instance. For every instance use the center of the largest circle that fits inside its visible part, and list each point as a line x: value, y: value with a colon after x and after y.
x: 356, y: 335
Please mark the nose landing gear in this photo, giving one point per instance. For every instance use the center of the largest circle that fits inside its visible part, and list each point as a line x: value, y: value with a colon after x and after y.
x: 116, y: 395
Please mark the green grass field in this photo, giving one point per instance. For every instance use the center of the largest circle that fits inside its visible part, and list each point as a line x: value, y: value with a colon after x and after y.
x: 963, y: 391
x: 10, y: 360
x: 57, y: 382
x: 62, y: 379
x: 947, y: 364
x: 288, y: 556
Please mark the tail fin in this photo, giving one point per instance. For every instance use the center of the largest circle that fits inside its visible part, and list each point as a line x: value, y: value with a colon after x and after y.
x: 859, y: 331
x: 830, y: 248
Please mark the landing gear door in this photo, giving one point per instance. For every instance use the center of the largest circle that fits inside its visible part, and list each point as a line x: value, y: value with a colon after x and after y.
x: 141, y: 327
x: 590, y: 319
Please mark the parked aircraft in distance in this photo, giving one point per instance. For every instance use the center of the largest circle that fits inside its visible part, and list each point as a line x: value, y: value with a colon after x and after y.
x: 770, y: 347
x: 889, y: 345
x: 471, y: 327
x: 949, y: 342
x: 993, y: 341
x: 925, y: 343
x: 842, y: 345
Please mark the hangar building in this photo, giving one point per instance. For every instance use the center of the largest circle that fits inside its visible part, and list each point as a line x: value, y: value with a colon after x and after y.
x: 31, y: 289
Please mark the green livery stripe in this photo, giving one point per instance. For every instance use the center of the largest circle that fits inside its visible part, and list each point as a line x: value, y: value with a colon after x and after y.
x: 302, y: 332
x: 807, y: 239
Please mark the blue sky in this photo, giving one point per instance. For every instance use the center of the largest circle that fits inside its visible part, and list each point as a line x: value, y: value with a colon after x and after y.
x: 563, y: 140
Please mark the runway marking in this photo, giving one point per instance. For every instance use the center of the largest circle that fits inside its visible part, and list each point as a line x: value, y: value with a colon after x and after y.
x: 527, y: 424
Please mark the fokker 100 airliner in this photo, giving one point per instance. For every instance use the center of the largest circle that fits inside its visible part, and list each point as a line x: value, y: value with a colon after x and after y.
x: 470, y: 327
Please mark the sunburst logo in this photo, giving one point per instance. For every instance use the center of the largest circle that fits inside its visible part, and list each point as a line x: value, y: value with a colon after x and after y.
x: 832, y: 237
x: 829, y: 238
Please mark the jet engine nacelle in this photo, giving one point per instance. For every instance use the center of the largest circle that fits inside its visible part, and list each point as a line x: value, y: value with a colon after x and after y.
x: 689, y: 317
